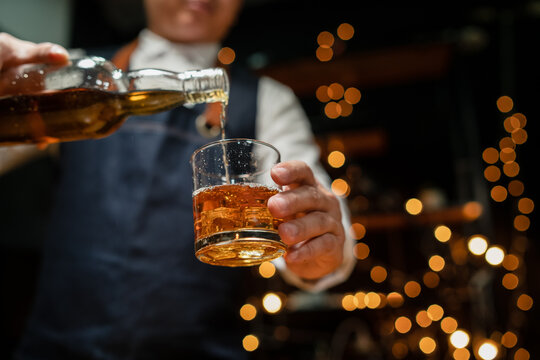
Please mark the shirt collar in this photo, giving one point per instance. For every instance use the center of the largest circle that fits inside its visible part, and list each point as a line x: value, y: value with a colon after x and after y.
x: 154, y: 51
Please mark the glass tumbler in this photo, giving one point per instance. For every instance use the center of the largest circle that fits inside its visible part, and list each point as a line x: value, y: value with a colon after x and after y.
x: 231, y: 187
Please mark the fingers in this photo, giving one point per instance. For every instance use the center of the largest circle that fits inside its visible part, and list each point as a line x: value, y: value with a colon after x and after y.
x: 307, y: 227
x: 15, y: 52
x: 303, y: 199
x: 316, y: 257
x: 292, y: 172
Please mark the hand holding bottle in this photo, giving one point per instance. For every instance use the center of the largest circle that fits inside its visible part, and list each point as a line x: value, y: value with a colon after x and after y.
x: 15, y: 52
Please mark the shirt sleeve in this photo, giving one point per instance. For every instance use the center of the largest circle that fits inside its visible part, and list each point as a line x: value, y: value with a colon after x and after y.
x: 282, y: 122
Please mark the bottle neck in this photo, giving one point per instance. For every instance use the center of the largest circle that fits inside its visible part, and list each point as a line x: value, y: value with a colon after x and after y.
x: 197, y: 86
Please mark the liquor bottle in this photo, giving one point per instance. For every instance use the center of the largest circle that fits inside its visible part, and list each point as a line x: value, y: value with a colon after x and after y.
x: 90, y: 98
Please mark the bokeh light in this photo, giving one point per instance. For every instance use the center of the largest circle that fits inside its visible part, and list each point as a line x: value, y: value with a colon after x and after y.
x: 226, y: 55
x: 442, y: 233
x: 412, y: 289
x: 403, y: 324
x: 267, y: 269
x: 449, y: 324
x: 248, y: 312
x: 378, y: 274
x: 459, y: 339
x: 505, y: 103
x: 272, y: 303
x: 436, y: 263
x: 477, y: 244
x: 488, y: 350
x: 510, y: 281
x: 509, y: 340
x: 495, y: 255
x: 250, y: 343
x: 361, y: 251
x: 427, y: 345
x: 413, y: 206
x: 336, y: 159
x: 345, y: 31
x: 525, y: 302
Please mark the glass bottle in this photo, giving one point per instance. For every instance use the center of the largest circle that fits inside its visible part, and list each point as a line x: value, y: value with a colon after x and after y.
x: 91, y: 98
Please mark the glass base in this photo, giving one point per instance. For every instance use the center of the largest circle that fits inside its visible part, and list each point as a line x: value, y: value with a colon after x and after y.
x: 240, y: 248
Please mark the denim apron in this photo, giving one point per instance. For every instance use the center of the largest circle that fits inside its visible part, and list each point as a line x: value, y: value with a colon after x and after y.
x: 119, y: 278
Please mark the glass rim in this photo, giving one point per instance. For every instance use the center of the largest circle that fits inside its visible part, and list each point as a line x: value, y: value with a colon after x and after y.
x: 233, y: 140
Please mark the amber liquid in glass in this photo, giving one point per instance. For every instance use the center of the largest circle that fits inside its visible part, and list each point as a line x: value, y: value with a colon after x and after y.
x: 233, y: 226
x: 76, y: 114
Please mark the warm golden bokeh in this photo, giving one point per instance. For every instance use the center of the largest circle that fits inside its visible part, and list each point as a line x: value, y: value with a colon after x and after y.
x: 509, y: 339
x: 492, y: 173
x: 522, y: 354
x: 403, y: 324
x: 510, y: 281
x: 357, y: 231
x: 477, y: 244
x: 361, y: 251
x: 345, y: 31
x: 431, y: 279
x: 505, y: 104
x: 449, y: 324
x: 324, y: 54
x: 395, y: 299
x: 412, y: 289
x: 525, y: 302
x: 352, y: 95
x: 436, y: 263
x: 325, y: 39
x: 490, y: 155
x: 250, y: 343
x: 340, y: 188
x: 427, y: 345
x: 413, y: 206
x: 378, y: 274
x: 459, y: 339
x: 522, y: 223
x: 525, y: 205
x: 435, y: 312
x: 332, y: 110
x: 461, y: 354
x: 226, y: 55
x: 510, y: 262
x: 516, y: 188
x: 248, y: 312
x: 335, y: 91
x: 442, y: 233
x: 495, y: 255
x: 322, y: 94
x: 336, y: 159
x: 499, y: 193
x: 267, y: 269
x: 511, y: 169
x: 423, y: 319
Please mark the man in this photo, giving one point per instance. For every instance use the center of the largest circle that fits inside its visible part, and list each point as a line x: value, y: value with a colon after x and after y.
x: 119, y: 278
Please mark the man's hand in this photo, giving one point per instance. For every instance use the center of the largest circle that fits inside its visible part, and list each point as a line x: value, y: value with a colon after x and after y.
x: 313, y: 229
x: 15, y: 52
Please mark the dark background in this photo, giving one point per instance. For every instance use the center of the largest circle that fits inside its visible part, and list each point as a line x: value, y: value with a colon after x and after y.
x: 424, y: 123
